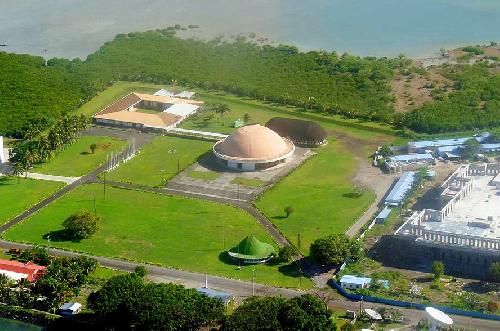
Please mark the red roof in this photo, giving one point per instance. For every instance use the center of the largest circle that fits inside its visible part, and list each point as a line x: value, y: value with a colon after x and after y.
x: 32, y: 270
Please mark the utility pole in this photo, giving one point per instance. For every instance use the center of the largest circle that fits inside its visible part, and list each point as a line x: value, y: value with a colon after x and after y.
x: 104, y: 182
x: 253, y: 282
x: 95, y: 209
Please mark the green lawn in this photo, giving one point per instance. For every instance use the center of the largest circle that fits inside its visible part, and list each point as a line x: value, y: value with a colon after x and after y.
x: 319, y: 193
x: 158, y: 160
x: 262, y: 112
x: 148, y: 111
x: 205, y: 175
x: 250, y: 182
x: 112, y: 94
x: 77, y: 159
x: 19, y: 194
x: 178, y: 232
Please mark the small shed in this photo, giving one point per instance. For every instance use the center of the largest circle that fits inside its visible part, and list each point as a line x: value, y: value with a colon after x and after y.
x: 70, y: 309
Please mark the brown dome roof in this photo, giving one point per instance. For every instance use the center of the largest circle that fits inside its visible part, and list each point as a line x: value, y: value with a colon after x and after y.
x: 299, y: 131
x: 254, y: 142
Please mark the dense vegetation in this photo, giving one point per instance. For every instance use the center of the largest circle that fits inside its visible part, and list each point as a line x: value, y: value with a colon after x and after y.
x: 306, y: 312
x: 475, y: 103
x: 40, y: 145
x: 63, y: 279
x: 127, y: 300
x: 35, y: 94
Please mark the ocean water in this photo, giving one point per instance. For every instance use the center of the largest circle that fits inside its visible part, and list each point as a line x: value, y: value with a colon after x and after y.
x: 417, y: 28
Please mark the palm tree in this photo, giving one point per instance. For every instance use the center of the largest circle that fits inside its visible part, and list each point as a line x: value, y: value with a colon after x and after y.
x: 221, y: 109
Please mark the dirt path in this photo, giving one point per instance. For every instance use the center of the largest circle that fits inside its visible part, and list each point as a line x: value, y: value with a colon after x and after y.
x: 366, y: 176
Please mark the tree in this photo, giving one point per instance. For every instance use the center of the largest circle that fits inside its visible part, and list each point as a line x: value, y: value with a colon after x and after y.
x: 221, y: 109
x: 286, y: 253
x: 110, y: 302
x: 82, y: 225
x: 36, y: 254
x: 288, y: 210
x: 306, y: 312
x: 335, y: 249
x: 385, y: 151
x: 437, y: 269
x: 494, y: 272
x: 127, y: 300
x: 246, y: 117
x: 93, y: 148
x: 471, y: 148
x: 141, y: 271
x: 256, y: 313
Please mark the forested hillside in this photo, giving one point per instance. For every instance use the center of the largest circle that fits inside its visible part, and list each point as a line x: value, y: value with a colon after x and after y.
x: 474, y: 104
x: 317, y: 81
x: 32, y: 94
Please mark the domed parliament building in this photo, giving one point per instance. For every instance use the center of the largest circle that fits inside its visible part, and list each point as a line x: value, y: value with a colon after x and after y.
x: 253, y: 147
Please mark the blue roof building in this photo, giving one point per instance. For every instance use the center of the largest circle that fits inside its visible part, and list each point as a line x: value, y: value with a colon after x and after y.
x: 410, y: 158
x: 415, y: 146
x: 400, y: 191
x: 489, y: 148
x: 382, y: 216
x: 211, y: 293
x: 354, y: 282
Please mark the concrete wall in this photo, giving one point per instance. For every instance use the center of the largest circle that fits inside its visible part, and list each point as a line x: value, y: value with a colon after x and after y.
x: 409, y: 253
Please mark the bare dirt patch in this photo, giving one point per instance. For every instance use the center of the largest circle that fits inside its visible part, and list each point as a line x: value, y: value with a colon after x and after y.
x: 413, y: 90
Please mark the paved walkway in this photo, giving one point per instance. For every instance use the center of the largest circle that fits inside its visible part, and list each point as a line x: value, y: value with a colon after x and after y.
x: 67, y: 180
x: 211, y: 135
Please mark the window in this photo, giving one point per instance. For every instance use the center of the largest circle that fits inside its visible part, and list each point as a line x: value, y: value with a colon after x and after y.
x: 240, y: 165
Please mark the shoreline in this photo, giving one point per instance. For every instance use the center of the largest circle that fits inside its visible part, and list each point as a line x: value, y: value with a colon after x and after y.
x: 430, y: 55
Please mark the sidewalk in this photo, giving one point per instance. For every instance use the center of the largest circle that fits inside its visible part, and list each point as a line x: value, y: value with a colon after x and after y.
x: 67, y: 180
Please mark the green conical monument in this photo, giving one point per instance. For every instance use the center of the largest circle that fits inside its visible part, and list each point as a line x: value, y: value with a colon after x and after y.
x: 251, y: 250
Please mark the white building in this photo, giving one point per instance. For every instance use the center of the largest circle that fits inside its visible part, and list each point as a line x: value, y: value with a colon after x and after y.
x: 351, y: 282
x: 3, y: 152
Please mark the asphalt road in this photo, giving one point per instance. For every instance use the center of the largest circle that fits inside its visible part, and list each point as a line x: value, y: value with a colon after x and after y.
x: 243, y: 289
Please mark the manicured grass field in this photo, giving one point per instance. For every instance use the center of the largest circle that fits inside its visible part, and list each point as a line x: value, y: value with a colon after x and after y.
x: 19, y: 194
x: 262, y: 112
x: 205, y: 175
x: 112, y: 94
x: 77, y: 159
x: 318, y: 191
x: 250, y: 182
x: 171, y: 231
x: 158, y: 160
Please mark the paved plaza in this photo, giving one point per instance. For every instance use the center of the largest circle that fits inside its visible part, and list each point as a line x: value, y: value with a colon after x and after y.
x: 224, y: 185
